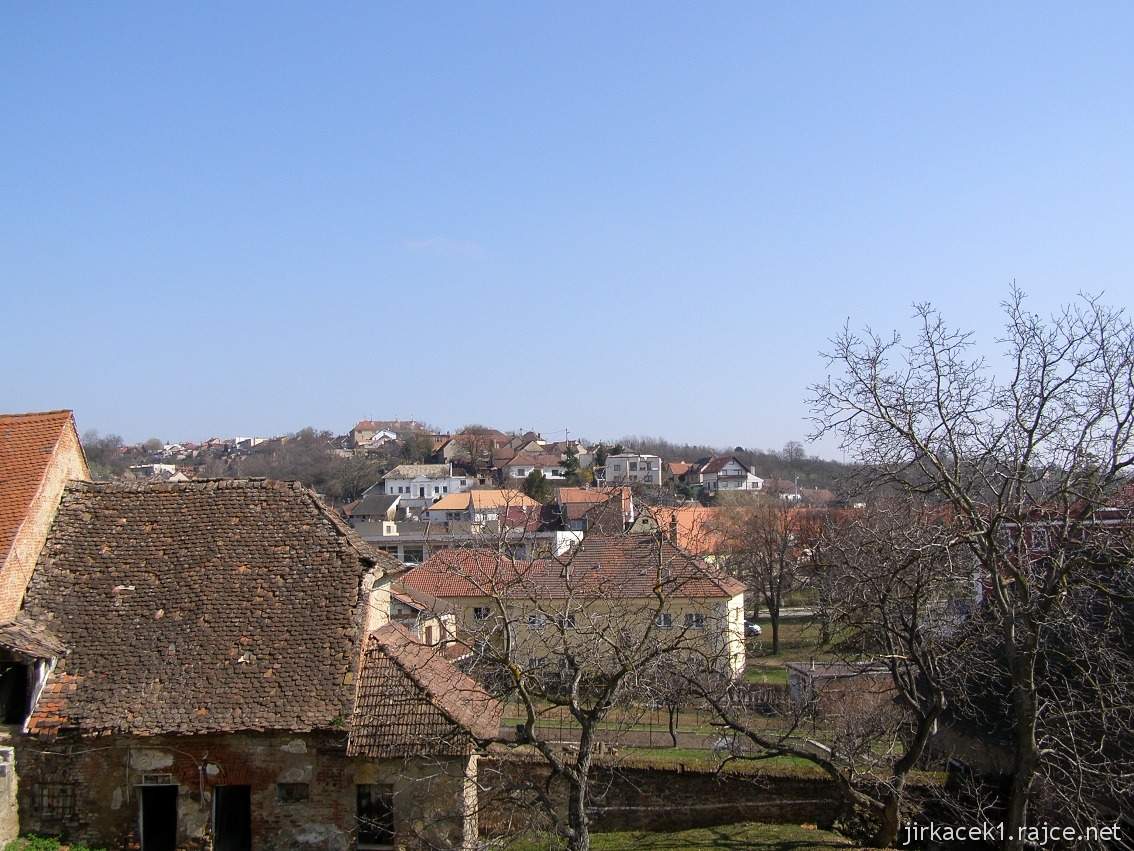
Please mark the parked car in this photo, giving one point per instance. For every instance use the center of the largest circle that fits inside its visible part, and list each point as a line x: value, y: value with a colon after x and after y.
x: 752, y: 629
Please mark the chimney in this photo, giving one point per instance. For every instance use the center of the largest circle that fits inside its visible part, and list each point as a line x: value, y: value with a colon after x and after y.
x: 673, y: 527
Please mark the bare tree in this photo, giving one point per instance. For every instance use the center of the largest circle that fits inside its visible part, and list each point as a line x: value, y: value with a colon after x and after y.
x: 581, y: 647
x: 1045, y: 438
x: 768, y: 546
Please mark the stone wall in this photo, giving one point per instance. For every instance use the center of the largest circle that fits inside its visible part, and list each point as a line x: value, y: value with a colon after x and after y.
x: 105, y: 776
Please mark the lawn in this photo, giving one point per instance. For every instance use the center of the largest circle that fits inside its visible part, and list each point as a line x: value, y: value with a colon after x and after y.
x: 707, y: 759
x: 762, y: 837
x: 799, y: 642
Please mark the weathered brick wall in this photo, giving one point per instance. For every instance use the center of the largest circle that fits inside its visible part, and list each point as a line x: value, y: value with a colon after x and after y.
x: 429, y: 797
x: 65, y: 465
x: 625, y: 798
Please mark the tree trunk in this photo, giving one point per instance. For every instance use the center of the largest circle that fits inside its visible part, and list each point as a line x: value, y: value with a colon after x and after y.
x: 673, y: 711
x: 580, y: 839
x: 1023, y: 775
x: 887, y: 834
x: 774, y: 616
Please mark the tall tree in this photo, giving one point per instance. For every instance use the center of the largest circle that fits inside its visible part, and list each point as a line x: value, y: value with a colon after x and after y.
x: 1045, y: 439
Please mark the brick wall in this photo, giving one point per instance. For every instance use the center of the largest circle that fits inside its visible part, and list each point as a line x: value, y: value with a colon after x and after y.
x: 67, y: 463
x: 430, y: 797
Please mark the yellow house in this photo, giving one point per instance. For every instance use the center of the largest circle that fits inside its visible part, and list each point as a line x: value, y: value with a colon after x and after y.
x: 606, y: 591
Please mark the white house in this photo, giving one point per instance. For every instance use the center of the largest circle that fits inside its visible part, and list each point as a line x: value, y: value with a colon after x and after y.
x: 632, y: 467
x: 728, y: 473
x: 421, y: 485
x: 524, y: 463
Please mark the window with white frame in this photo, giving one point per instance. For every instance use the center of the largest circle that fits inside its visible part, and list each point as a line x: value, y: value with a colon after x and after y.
x: 664, y: 620
x: 481, y: 613
x: 694, y: 620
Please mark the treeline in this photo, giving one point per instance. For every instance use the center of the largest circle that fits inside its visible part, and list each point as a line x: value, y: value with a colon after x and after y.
x: 791, y: 463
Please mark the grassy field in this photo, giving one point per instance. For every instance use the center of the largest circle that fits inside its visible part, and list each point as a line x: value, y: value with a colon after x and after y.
x: 799, y: 642
x: 706, y: 759
x: 762, y: 837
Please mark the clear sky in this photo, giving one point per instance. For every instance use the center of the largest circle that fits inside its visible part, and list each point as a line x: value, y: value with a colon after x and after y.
x: 618, y: 218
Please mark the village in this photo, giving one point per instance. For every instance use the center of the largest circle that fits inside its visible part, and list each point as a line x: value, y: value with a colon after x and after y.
x: 504, y: 638
x: 639, y: 426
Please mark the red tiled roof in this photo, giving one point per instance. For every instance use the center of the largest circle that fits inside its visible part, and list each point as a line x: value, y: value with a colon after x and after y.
x: 411, y: 701
x: 601, y: 566
x: 27, y: 442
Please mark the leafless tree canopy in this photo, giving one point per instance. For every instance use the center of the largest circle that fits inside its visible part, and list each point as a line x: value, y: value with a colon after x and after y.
x: 1026, y: 457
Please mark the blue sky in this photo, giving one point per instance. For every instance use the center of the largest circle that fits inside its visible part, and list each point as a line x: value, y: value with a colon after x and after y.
x: 620, y: 218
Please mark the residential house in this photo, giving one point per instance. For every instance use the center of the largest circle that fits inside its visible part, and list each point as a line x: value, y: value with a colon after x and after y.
x: 694, y: 528
x: 211, y: 664
x: 606, y: 581
x: 420, y: 485
x: 426, y: 617
x: 365, y: 430
x: 607, y: 510
x: 523, y: 464
x: 633, y: 468
x: 505, y: 518
x: 39, y: 454
x: 374, y: 507
x: 729, y: 473
x: 674, y: 472
x: 482, y: 506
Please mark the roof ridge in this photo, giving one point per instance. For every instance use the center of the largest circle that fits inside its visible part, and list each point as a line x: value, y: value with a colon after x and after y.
x: 38, y: 413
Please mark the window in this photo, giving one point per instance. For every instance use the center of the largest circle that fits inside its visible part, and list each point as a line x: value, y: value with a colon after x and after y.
x: 445, y: 489
x: 54, y: 800
x: 566, y: 621
x: 436, y: 489
x: 664, y: 620
x: 536, y: 620
x: 694, y: 620
x: 634, y: 466
x: 290, y: 793
x: 462, y: 482
x: 481, y: 613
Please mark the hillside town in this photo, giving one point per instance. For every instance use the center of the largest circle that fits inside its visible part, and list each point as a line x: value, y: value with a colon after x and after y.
x: 496, y: 426
x: 504, y: 636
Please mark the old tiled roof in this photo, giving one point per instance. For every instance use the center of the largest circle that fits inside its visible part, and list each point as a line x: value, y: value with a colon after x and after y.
x: 27, y: 442
x: 412, y: 701
x: 615, y: 566
x: 197, y: 607
x: 25, y: 636
x: 412, y: 471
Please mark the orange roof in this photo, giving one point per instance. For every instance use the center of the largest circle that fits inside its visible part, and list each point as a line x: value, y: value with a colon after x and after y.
x: 482, y: 499
x: 697, y: 528
x: 679, y: 468
x: 27, y: 442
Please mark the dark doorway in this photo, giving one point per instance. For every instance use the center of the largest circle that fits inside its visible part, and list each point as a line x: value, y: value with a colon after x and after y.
x: 232, y: 813
x: 159, y: 818
x: 14, y: 694
x: 375, y: 816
